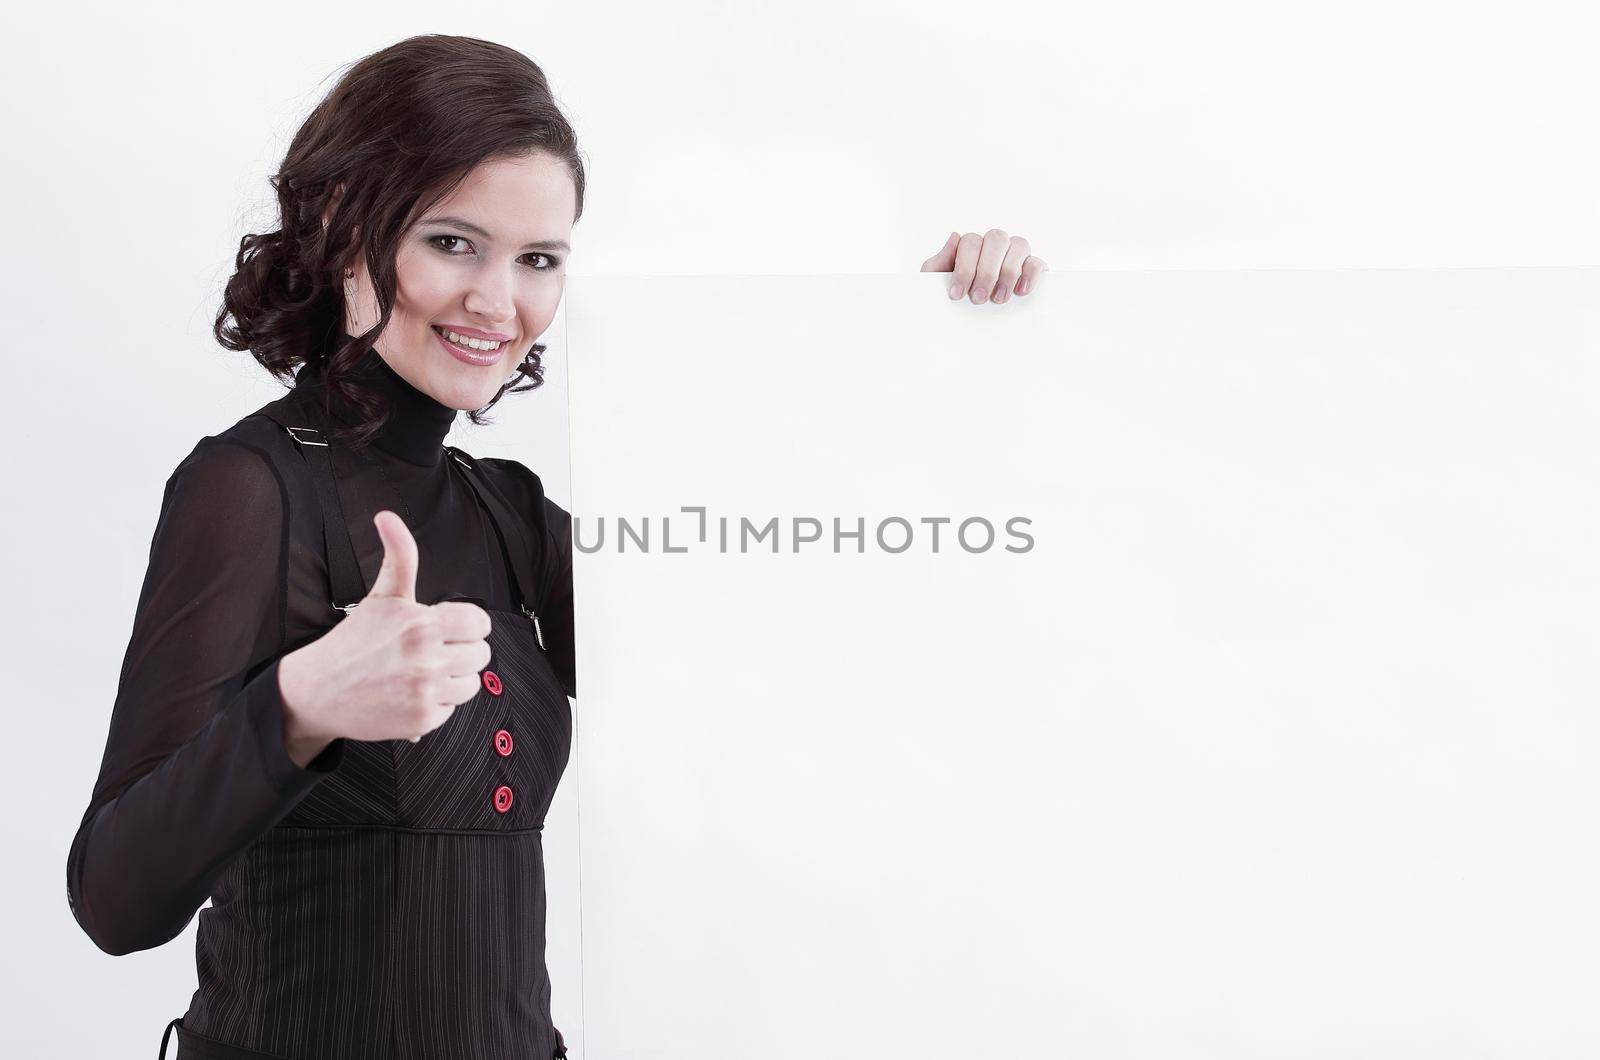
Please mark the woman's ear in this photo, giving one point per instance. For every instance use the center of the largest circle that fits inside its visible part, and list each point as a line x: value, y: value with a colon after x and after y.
x: 327, y: 215
x: 333, y: 200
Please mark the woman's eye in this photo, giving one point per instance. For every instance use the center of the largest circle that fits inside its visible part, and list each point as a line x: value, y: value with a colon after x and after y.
x: 550, y: 262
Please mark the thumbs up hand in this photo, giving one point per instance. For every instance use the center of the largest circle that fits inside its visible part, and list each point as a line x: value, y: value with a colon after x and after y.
x: 392, y: 669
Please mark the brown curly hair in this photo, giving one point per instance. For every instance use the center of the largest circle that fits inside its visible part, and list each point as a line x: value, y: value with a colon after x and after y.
x: 399, y: 131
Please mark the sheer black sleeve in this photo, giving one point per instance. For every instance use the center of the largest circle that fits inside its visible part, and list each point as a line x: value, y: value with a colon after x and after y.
x: 195, y: 767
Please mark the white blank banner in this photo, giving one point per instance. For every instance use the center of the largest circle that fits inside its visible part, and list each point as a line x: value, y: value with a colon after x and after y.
x: 1276, y: 739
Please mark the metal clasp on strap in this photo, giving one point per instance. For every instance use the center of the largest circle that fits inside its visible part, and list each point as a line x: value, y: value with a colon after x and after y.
x: 304, y: 441
x: 346, y: 608
x: 537, y: 632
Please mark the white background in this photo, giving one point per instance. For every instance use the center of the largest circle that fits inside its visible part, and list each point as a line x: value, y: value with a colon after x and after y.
x: 722, y: 139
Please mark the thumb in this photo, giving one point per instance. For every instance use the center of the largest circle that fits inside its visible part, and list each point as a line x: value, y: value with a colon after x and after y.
x: 398, y: 575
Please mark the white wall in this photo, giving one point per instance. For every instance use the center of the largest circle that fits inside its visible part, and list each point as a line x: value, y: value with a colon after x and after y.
x: 722, y: 140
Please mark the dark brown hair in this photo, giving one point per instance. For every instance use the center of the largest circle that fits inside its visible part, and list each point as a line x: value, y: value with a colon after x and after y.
x: 399, y: 131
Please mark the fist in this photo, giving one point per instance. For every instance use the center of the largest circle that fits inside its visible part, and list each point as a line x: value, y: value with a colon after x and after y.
x: 393, y: 668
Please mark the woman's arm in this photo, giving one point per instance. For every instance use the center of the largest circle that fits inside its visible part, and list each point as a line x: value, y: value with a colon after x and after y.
x: 552, y: 561
x: 195, y: 766
x: 557, y: 613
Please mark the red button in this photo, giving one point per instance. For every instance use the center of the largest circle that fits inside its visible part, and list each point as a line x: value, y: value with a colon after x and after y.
x: 502, y: 798
x: 502, y: 742
x: 491, y: 681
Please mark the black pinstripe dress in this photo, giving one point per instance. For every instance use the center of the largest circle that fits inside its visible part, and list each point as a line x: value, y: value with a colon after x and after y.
x: 387, y: 900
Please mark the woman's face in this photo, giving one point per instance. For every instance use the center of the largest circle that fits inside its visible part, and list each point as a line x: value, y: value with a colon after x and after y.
x: 488, y: 259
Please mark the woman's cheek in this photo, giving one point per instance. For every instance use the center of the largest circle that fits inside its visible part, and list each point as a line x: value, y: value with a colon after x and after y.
x: 425, y: 282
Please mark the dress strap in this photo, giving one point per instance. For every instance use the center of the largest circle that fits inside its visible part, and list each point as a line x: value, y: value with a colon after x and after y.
x: 501, y: 518
x: 163, y: 1054
x: 344, y: 572
x: 343, y: 569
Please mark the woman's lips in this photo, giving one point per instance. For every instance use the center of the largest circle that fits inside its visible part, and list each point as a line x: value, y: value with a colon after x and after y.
x: 477, y: 358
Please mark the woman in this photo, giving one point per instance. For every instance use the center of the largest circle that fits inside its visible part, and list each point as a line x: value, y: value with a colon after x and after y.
x: 374, y: 893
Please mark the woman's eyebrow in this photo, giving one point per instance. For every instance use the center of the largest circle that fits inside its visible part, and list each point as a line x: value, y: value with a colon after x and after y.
x: 543, y: 244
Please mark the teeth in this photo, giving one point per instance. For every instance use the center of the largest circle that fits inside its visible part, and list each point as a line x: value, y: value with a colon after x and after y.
x: 470, y: 343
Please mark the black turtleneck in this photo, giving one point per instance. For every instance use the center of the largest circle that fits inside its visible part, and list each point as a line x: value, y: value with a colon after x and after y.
x: 417, y: 425
x: 195, y: 769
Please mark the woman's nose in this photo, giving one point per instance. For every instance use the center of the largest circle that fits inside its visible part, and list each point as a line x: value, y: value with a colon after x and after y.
x: 490, y: 296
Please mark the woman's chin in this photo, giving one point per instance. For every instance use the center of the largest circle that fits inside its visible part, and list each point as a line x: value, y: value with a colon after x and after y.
x: 470, y: 386
x: 479, y: 396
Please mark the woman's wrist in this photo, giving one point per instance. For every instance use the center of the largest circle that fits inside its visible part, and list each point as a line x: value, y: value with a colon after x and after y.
x: 299, y: 741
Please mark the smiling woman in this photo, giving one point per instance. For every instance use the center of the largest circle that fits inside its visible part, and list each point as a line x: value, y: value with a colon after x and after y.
x: 410, y: 199
x: 329, y: 583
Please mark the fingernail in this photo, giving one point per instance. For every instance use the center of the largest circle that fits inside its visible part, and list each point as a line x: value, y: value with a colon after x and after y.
x: 1001, y: 294
x: 955, y: 290
x: 1022, y: 288
x: 979, y: 296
